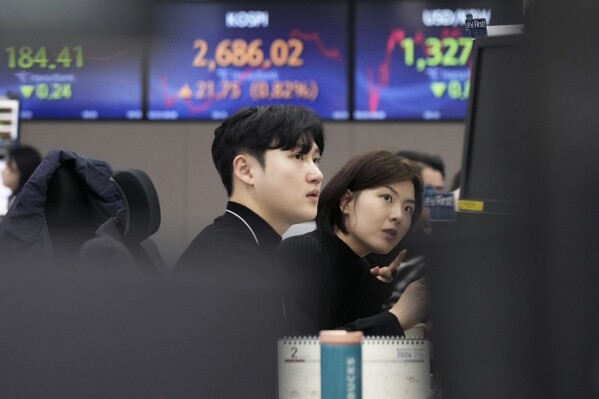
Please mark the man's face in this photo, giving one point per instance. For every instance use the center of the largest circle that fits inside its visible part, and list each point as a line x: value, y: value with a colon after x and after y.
x: 288, y: 186
x: 433, y: 178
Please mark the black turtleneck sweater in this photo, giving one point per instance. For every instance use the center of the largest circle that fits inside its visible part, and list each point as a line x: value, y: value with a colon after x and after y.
x: 236, y: 253
x: 232, y: 259
x: 328, y: 286
x: 238, y: 243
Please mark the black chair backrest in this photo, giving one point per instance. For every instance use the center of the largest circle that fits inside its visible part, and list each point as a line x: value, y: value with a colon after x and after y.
x: 143, y: 206
x: 142, y: 217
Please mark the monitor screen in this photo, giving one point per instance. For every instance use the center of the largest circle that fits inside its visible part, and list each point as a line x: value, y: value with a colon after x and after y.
x: 9, y: 122
x: 494, y: 160
x: 77, y: 76
x: 412, y: 58
x: 208, y: 60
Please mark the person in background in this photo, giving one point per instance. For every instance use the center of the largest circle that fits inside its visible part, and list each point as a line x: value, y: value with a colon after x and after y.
x: 413, y: 267
x: 433, y: 168
x: 20, y: 164
x: 368, y: 206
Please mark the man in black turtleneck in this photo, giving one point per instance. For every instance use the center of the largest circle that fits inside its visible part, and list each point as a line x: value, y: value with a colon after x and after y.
x: 267, y: 158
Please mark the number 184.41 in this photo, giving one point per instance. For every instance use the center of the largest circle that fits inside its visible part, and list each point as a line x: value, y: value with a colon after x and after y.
x: 26, y: 57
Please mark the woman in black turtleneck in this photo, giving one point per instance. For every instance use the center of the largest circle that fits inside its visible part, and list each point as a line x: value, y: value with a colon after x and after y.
x: 367, y: 207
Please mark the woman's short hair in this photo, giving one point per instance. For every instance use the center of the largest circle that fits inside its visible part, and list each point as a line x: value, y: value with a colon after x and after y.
x: 362, y: 172
x: 26, y: 159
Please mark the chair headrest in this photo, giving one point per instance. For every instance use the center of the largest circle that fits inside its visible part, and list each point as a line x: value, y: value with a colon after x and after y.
x: 142, y: 204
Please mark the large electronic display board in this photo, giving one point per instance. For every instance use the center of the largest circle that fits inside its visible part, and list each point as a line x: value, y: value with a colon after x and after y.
x: 75, y: 76
x: 208, y: 60
x: 412, y: 58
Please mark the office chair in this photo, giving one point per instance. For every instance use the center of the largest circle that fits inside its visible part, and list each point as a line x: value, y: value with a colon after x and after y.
x: 144, y: 217
x: 123, y: 243
x: 64, y: 201
x: 141, y: 201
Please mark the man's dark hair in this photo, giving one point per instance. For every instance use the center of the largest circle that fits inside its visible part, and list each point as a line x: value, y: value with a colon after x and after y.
x: 363, y: 172
x: 432, y: 161
x: 254, y: 130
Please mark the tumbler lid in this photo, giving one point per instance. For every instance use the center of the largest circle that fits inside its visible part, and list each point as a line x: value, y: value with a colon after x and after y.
x: 340, y: 337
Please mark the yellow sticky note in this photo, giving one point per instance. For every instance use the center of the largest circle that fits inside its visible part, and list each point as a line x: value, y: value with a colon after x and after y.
x: 469, y: 205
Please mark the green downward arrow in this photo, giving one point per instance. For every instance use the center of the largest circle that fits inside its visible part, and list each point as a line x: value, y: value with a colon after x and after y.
x: 27, y: 91
x: 438, y: 89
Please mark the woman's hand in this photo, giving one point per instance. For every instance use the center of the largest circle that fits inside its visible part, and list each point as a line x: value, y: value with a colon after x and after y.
x: 412, y: 306
x: 385, y: 274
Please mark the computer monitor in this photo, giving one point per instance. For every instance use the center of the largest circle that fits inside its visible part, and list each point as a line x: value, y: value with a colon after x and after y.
x: 496, y: 155
x: 9, y: 121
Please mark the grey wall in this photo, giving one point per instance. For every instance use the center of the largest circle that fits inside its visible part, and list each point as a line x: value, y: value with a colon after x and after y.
x: 177, y: 158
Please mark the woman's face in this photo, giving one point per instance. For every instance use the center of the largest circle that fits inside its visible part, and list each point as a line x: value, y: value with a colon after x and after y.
x: 378, y: 218
x: 11, y: 175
